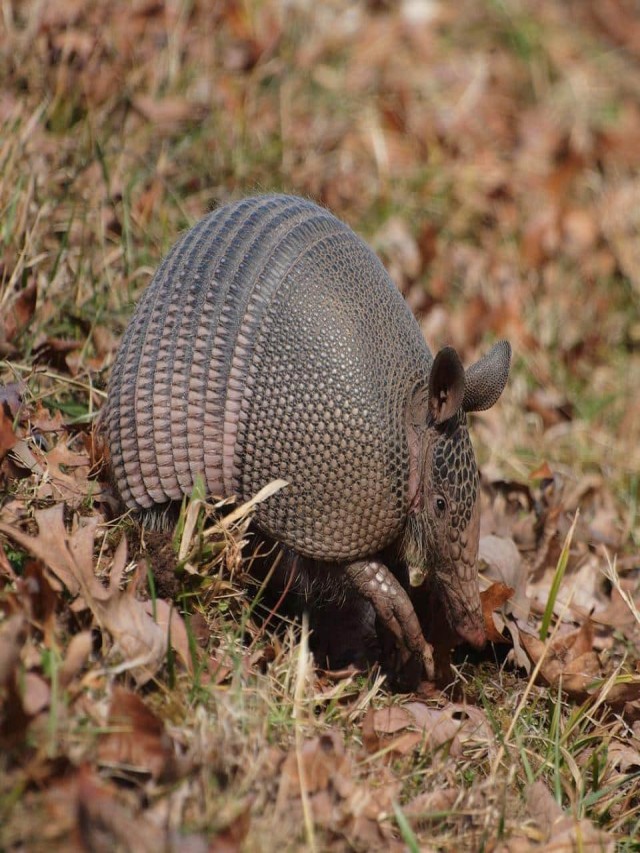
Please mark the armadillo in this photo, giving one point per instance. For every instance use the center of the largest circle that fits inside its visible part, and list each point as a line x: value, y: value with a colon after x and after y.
x: 272, y: 343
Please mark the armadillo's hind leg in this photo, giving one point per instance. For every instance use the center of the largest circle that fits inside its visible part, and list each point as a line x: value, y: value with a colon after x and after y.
x: 374, y: 581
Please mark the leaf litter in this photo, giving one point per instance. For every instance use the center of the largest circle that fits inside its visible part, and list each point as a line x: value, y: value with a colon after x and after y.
x: 489, y: 152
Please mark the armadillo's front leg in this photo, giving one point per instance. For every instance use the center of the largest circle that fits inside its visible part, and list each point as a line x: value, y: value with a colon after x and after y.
x: 374, y: 581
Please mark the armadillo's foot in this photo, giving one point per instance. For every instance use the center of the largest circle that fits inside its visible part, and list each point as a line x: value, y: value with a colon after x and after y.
x: 374, y: 581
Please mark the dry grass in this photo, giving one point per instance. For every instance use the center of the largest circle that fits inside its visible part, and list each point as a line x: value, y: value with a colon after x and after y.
x: 490, y: 154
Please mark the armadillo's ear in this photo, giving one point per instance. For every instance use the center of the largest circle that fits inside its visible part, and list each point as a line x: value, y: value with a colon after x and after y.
x: 446, y: 385
x: 485, y: 380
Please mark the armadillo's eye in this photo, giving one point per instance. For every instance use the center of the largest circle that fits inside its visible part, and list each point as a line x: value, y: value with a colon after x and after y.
x: 440, y: 506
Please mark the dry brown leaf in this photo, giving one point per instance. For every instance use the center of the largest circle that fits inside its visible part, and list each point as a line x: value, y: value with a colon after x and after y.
x: 12, y: 637
x: 104, y: 823
x: 137, y: 739
x: 19, y: 313
x: 36, y: 694
x: 85, y: 813
x: 322, y: 760
x: 625, y: 757
x: 168, y: 619
x: 432, y: 727
x: 392, y: 719
x: 500, y: 560
x: 621, y: 225
x: 564, y: 832
x: 568, y: 660
x: 542, y: 806
x: 68, y: 475
x: 54, y: 352
x: 52, y: 545
x: 428, y: 807
x: 404, y: 744
x: 370, y: 738
x: 324, y: 767
x: 139, y: 638
x: 77, y: 654
x: 45, y: 420
x: 13, y: 717
x: 38, y: 598
x: 231, y: 838
x: 11, y: 396
x: 170, y: 111
x: 493, y: 598
x: 617, y: 614
x: 62, y: 474
x: 455, y: 723
x: 8, y: 438
x: 626, y: 694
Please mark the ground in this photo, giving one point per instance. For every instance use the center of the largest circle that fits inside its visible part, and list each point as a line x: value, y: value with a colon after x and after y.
x: 489, y: 152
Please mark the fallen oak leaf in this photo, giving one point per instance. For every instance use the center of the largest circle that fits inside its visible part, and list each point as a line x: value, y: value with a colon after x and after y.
x: 574, y: 667
x: 624, y: 757
x: 52, y: 545
x: 229, y: 839
x: 491, y: 599
x: 63, y: 473
x: 392, y: 719
x: 106, y: 823
x: 44, y: 420
x: 404, y: 744
x: 564, y: 832
x: 165, y: 615
x: 430, y: 806
x: 11, y: 396
x: 321, y: 761
x: 36, y: 694
x: 54, y: 351
x: 13, y: 717
x: 455, y: 723
x: 433, y: 727
x: 142, y: 641
x: 568, y: 660
x: 8, y: 438
x: 168, y: 112
x: 19, y: 313
x: 13, y: 632
x: 77, y: 654
x: 83, y: 812
x: 500, y: 561
x: 137, y: 739
x: 370, y: 738
x: 624, y: 691
x: 322, y: 769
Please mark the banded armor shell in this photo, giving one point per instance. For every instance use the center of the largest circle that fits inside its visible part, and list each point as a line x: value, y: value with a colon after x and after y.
x: 272, y: 343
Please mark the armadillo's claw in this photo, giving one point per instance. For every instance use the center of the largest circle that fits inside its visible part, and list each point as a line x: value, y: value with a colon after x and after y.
x: 374, y: 581
x: 427, y: 660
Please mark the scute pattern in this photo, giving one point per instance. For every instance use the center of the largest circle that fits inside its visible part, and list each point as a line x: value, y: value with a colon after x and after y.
x: 272, y: 343
x: 455, y: 472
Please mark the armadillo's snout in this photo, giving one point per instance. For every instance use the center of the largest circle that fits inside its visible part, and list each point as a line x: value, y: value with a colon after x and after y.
x: 461, y: 598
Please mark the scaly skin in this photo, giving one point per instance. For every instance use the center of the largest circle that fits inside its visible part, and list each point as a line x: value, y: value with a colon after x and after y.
x: 270, y: 344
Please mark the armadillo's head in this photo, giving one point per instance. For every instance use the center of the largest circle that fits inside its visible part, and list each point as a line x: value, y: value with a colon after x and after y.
x: 444, y: 520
